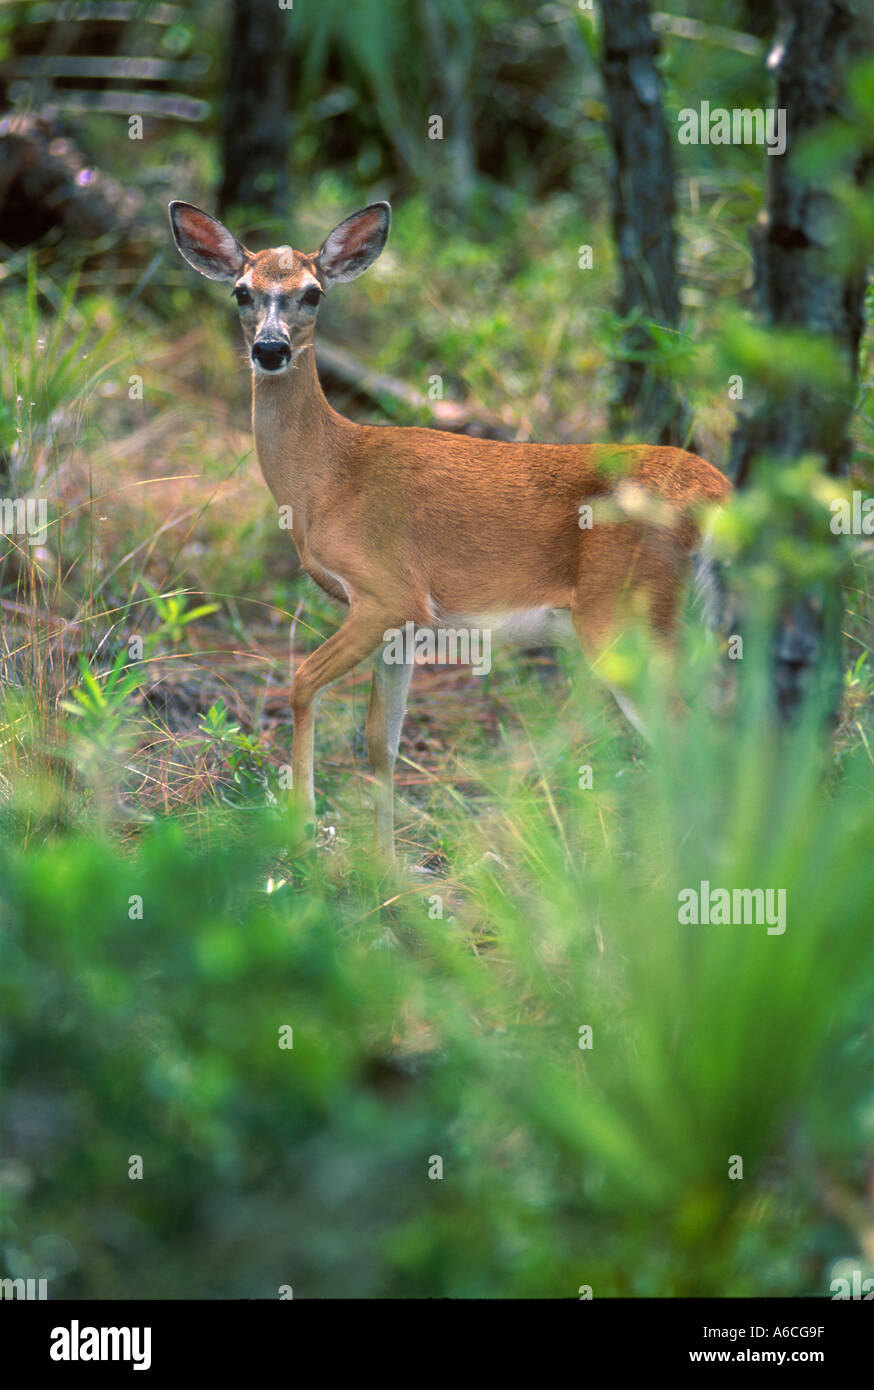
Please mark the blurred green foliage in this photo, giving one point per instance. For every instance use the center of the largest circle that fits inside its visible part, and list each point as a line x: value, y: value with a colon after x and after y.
x: 144, y: 992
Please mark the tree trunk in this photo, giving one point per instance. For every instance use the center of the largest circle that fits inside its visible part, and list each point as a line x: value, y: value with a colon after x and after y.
x: 450, y: 42
x: 798, y: 288
x: 645, y: 401
x: 255, y: 123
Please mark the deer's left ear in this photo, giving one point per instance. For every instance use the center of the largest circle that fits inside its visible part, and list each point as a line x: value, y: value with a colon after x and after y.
x: 355, y: 244
x: 206, y: 243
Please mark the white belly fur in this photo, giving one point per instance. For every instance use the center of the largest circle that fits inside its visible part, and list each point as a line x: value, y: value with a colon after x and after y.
x: 527, y: 627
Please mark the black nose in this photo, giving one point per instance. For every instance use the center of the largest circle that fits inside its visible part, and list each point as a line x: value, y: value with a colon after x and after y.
x: 271, y: 354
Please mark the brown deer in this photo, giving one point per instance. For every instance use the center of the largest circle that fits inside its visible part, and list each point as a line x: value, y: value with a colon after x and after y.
x: 419, y: 527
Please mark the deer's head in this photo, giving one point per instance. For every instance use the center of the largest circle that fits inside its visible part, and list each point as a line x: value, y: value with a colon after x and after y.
x: 278, y: 292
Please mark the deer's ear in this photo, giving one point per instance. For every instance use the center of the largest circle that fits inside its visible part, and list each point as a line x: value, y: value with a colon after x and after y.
x: 355, y: 244
x: 206, y: 243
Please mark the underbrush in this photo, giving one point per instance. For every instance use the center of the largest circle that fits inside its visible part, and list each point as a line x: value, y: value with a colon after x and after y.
x: 232, y: 1064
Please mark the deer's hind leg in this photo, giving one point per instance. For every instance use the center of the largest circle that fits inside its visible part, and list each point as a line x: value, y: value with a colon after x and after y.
x: 627, y: 573
x: 385, y: 715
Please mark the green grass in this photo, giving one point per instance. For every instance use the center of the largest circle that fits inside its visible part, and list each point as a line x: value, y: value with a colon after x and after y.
x: 439, y: 1016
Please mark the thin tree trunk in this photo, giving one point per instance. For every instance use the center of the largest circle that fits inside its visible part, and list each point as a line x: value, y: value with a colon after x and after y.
x: 797, y: 287
x: 645, y: 402
x: 451, y: 47
x: 255, y: 122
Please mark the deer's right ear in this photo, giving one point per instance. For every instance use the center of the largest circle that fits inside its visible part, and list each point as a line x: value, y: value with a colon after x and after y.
x: 206, y: 243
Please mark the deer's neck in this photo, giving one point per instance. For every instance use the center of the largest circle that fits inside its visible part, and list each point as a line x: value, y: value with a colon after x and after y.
x: 301, y: 441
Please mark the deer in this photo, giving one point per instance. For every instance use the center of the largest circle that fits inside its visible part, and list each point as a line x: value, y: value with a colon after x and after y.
x: 413, y: 526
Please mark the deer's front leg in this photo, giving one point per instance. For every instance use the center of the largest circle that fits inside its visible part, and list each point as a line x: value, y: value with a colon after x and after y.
x: 385, y: 714
x: 359, y: 636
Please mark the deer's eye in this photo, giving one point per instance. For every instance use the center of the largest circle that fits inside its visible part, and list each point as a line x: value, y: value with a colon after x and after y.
x: 242, y: 295
x: 311, y: 296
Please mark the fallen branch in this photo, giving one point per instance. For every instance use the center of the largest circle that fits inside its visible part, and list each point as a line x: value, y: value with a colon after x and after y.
x: 47, y: 185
